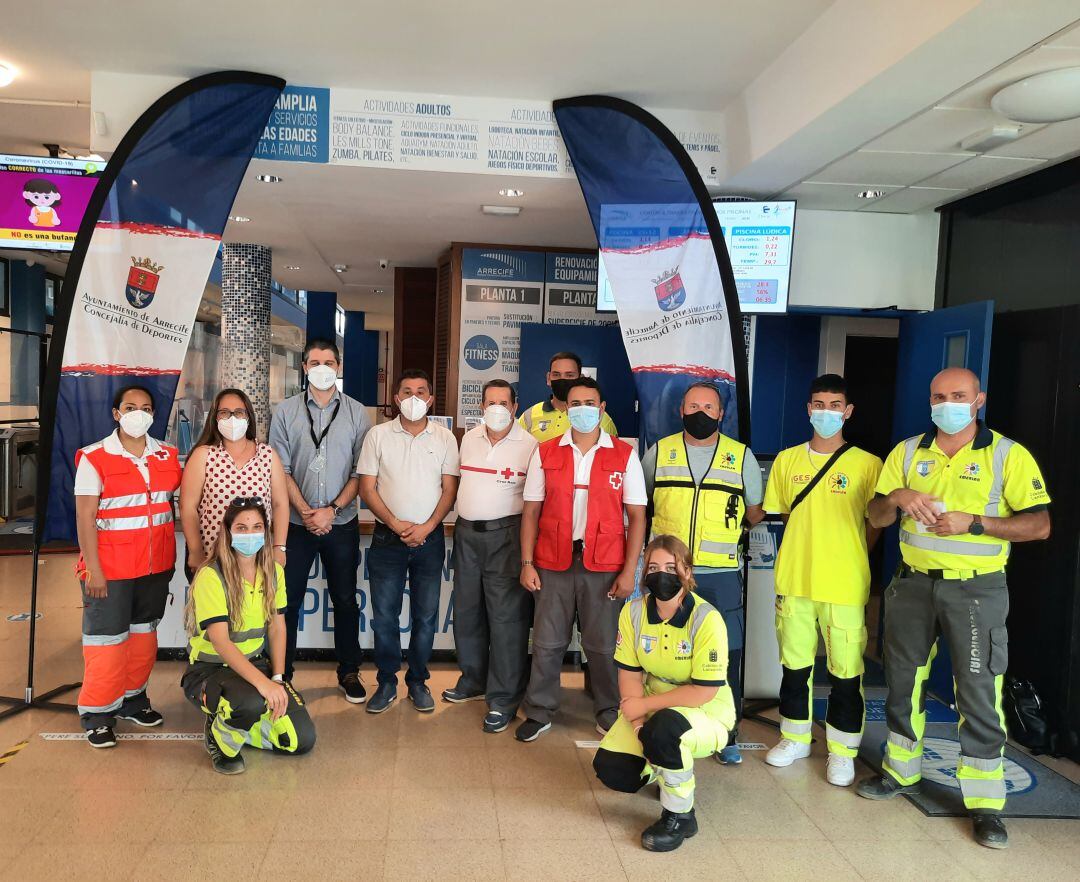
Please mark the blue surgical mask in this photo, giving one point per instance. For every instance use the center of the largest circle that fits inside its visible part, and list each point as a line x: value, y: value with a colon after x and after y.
x: 584, y: 417
x: 248, y: 544
x: 952, y: 416
x: 826, y: 422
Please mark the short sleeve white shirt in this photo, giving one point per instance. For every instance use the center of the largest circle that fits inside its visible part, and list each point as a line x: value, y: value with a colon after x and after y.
x: 633, y: 485
x: 409, y: 468
x: 87, y: 479
x: 493, y: 475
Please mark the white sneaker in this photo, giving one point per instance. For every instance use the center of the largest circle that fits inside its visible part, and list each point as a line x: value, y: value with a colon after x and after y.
x: 840, y: 770
x: 786, y: 752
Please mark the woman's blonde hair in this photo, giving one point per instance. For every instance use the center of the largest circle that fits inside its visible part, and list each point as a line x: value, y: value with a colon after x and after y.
x: 224, y: 557
x: 674, y: 546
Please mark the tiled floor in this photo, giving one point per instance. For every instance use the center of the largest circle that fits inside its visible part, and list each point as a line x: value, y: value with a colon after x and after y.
x: 411, y: 797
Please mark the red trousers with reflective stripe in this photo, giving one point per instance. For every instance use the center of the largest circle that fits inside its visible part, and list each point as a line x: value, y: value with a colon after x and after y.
x: 120, y: 646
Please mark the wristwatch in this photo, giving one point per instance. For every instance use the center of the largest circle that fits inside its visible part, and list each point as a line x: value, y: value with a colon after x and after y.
x: 526, y: 563
x: 336, y: 509
x: 278, y: 678
x: 281, y: 548
x: 977, y: 527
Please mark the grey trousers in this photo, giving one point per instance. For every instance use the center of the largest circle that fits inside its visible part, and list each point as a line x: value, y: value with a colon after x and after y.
x: 492, y: 615
x: 561, y: 595
x: 970, y: 615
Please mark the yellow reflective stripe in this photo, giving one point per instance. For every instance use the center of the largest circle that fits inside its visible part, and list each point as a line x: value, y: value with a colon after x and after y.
x: 108, y: 524
x: 207, y: 656
x: 673, y: 472
x: 800, y: 729
x: 728, y: 477
x: 637, y: 607
x: 910, y: 446
x: 950, y: 546
x: 997, y: 481
x: 108, y: 502
x: 837, y: 736
x: 242, y: 636
x: 710, y: 547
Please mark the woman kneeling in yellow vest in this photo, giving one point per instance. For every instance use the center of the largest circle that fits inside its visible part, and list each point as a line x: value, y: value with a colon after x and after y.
x: 231, y: 614
x: 676, y: 705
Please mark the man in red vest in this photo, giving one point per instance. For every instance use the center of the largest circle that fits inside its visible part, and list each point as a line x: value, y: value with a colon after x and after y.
x: 124, y: 486
x: 577, y: 555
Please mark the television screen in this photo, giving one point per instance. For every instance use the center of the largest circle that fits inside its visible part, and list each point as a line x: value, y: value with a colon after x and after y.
x: 42, y: 200
x: 759, y: 237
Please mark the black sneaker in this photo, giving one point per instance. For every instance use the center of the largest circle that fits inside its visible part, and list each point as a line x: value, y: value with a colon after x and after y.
x: 147, y: 717
x: 456, y: 696
x: 530, y: 730
x: 496, y: 722
x: 668, y: 833
x: 354, y: 690
x: 384, y: 696
x: 102, y: 736
x: 226, y: 765
x: 883, y: 787
x: 990, y: 830
x: 421, y: 698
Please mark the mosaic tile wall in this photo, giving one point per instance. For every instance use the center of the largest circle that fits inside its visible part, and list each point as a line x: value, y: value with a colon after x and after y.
x: 245, y: 325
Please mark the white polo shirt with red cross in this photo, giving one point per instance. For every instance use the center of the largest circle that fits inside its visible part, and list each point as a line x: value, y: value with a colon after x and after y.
x: 493, y: 475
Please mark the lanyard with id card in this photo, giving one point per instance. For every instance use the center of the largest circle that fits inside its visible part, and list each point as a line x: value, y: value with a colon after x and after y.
x: 319, y: 463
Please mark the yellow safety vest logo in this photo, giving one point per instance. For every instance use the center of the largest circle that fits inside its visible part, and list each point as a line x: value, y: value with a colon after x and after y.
x: 838, y: 482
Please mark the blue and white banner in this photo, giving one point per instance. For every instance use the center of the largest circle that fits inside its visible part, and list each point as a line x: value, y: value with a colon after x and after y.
x: 665, y: 259
x: 139, y: 268
x: 501, y: 289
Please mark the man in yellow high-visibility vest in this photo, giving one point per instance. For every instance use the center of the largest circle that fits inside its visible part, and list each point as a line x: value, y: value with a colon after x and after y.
x: 548, y: 419
x: 964, y: 493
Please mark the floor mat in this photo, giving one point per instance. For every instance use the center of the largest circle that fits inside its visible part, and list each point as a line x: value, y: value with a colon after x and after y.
x: 1034, y: 791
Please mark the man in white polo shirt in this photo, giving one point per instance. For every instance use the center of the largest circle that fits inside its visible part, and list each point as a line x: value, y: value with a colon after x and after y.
x: 408, y: 471
x: 492, y: 612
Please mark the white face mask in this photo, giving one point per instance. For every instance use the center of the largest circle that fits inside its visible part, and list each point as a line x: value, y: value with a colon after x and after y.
x: 136, y: 423
x: 322, y: 377
x: 413, y: 408
x: 233, y: 429
x: 497, y: 417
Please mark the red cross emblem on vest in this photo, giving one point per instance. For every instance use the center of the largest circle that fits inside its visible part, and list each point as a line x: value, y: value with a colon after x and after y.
x: 507, y: 473
x: 615, y: 480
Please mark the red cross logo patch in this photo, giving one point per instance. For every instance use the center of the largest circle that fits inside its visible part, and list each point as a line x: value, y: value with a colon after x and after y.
x: 507, y: 473
x: 615, y: 480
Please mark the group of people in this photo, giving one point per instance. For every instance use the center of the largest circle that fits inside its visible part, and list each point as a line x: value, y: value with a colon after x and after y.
x: 553, y: 511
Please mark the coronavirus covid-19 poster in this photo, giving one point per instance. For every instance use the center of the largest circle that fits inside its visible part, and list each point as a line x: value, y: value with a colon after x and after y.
x: 43, y: 200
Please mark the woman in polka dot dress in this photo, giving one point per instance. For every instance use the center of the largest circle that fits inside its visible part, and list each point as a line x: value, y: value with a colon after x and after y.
x: 228, y: 462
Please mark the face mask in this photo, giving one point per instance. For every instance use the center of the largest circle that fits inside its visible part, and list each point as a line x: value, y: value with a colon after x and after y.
x: 663, y: 586
x: 248, y: 544
x: 413, y: 408
x: 233, y: 429
x: 827, y: 422
x: 952, y: 416
x: 700, y: 425
x: 584, y: 417
x: 322, y: 377
x: 497, y: 418
x: 136, y: 423
x: 561, y: 388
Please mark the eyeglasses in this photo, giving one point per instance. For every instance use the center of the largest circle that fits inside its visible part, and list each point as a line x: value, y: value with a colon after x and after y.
x: 245, y: 501
x: 240, y: 413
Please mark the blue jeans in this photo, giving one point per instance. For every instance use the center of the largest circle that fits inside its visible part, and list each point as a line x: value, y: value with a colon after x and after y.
x: 390, y: 562
x: 340, y: 553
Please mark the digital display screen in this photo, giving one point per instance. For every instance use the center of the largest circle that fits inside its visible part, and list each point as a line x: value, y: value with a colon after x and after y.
x: 43, y: 200
x: 759, y: 237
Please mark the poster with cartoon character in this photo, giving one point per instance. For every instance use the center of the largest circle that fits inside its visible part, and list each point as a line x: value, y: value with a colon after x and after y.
x: 43, y: 199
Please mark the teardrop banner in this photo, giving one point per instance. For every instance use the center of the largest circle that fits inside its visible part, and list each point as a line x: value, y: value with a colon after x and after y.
x: 664, y: 256
x: 139, y: 267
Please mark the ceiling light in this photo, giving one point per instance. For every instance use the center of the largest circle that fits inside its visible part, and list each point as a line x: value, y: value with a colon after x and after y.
x: 7, y: 74
x: 501, y: 210
x: 268, y: 179
x: 1048, y: 97
x: 340, y: 267
x: 380, y: 290
x: 291, y: 266
x: 239, y: 219
x: 988, y: 139
x: 513, y: 194
x: 871, y: 194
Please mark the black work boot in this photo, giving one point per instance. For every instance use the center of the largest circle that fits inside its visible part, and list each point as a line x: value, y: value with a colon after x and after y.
x: 668, y: 833
x: 990, y: 829
x: 223, y: 763
x: 884, y: 787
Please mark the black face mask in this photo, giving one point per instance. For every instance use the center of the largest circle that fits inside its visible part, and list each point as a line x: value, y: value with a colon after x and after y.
x: 700, y: 425
x: 663, y: 586
x: 561, y: 388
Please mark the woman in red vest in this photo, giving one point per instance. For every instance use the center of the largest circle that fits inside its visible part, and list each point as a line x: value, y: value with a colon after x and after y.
x: 124, y: 486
